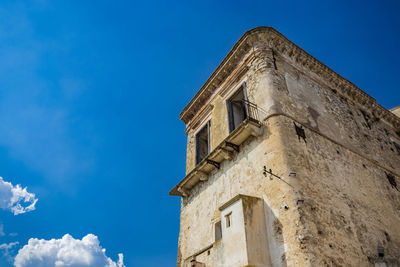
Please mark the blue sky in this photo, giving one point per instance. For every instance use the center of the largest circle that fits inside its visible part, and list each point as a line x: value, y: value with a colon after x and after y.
x: 91, y: 91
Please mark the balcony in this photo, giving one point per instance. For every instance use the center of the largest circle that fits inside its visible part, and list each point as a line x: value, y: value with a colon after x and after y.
x: 250, y: 126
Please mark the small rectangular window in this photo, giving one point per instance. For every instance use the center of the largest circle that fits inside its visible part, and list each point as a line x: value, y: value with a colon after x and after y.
x: 203, y: 143
x: 218, y: 231
x: 237, y: 108
x: 228, y: 219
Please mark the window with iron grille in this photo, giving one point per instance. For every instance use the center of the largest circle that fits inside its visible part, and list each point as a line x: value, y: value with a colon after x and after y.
x: 237, y: 108
x: 203, y: 142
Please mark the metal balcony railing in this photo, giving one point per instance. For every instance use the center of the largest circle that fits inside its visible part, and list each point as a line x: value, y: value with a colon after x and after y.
x: 251, y: 110
x: 241, y: 110
x: 245, y: 116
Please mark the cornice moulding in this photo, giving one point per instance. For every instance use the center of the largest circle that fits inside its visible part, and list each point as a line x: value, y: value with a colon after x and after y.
x: 288, y: 49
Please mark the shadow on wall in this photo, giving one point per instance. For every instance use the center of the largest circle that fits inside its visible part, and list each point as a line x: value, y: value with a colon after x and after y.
x: 275, y: 238
x: 245, y: 150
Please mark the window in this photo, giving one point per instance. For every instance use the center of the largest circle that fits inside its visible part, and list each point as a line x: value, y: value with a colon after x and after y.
x: 218, y: 231
x: 203, y: 142
x: 237, y: 110
x: 228, y: 219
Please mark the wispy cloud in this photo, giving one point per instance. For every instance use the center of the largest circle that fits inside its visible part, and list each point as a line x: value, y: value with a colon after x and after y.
x: 7, y: 249
x: 66, y: 251
x: 15, y: 198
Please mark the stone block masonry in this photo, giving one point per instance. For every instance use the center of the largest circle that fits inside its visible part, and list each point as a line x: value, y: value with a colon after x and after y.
x: 334, y: 196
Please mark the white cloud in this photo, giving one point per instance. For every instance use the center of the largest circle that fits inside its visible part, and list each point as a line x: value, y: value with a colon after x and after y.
x: 8, y: 246
x: 66, y: 251
x: 15, y: 198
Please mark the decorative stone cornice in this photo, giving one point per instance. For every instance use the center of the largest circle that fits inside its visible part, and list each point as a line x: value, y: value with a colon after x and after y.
x: 203, y: 113
x: 279, y: 43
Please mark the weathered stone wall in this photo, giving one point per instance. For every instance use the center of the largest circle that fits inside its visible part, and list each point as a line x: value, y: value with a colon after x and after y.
x: 349, y: 207
x: 356, y: 127
x: 340, y: 204
x: 244, y: 174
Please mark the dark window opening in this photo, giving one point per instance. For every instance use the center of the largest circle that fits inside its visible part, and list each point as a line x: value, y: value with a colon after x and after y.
x: 381, y: 252
x: 228, y: 219
x: 218, y: 231
x: 237, y: 108
x: 203, y: 143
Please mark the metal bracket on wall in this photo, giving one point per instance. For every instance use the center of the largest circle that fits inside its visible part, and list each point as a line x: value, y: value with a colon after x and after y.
x: 265, y: 172
x: 232, y: 145
x: 269, y: 172
x: 214, y: 163
x: 300, y: 132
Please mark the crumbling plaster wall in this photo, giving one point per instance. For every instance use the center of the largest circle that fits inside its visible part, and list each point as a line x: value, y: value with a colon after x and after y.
x: 244, y: 175
x: 356, y: 127
x: 349, y: 207
x: 339, y: 206
x: 258, y: 83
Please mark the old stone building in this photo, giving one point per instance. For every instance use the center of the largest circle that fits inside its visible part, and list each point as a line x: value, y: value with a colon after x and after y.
x: 288, y: 164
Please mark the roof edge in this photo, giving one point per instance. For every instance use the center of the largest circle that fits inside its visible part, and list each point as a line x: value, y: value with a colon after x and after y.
x: 220, y: 66
x: 287, y: 48
x: 395, y: 108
